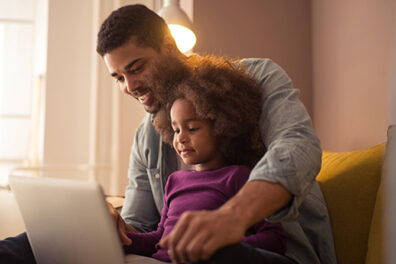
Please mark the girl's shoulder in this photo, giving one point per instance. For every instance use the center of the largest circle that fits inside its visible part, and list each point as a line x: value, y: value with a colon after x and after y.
x: 239, y: 169
x: 227, y: 171
x: 236, y: 176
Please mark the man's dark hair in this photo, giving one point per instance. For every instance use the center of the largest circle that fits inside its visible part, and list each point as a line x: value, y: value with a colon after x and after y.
x: 147, y: 28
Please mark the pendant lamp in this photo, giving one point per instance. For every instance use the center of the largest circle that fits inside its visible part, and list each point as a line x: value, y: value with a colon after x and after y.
x: 179, y: 25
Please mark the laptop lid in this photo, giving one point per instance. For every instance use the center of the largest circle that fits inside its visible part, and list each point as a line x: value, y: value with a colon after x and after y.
x: 67, y: 221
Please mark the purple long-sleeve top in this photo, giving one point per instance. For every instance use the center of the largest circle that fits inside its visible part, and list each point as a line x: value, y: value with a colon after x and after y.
x: 204, y: 190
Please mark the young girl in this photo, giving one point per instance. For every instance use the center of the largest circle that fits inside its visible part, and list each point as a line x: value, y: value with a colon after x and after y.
x: 212, y: 120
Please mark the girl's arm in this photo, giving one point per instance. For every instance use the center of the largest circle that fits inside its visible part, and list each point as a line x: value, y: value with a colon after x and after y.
x: 144, y: 243
x: 268, y: 236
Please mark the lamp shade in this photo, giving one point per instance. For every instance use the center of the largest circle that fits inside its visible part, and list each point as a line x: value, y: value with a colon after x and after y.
x: 179, y: 25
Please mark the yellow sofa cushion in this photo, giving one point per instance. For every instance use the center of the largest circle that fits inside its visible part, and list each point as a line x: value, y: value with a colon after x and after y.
x: 349, y: 182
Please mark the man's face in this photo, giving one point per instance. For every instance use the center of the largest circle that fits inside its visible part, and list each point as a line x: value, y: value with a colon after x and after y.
x: 131, y: 66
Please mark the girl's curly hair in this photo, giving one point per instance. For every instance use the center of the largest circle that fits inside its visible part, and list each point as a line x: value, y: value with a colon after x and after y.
x: 222, y: 93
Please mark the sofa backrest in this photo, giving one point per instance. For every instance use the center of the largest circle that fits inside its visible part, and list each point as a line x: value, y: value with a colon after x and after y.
x: 350, y: 182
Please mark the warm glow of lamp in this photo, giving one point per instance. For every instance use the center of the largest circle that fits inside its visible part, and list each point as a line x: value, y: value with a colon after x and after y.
x: 184, y: 37
x: 179, y: 25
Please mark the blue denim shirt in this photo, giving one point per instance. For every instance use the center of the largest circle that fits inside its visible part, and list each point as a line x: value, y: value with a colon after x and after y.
x: 293, y: 159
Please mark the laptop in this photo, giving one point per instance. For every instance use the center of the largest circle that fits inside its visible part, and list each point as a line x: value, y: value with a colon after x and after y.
x: 68, y: 222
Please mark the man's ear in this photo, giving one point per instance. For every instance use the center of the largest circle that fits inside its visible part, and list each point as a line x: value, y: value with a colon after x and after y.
x: 169, y: 45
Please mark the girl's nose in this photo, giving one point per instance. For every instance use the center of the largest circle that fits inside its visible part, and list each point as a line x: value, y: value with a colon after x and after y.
x: 183, y: 137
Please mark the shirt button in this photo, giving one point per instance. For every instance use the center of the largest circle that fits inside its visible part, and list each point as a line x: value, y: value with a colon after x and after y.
x: 157, y: 176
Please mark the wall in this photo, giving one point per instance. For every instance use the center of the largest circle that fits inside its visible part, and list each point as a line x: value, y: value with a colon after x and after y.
x: 68, y: 82
x: 89, y: 124
x: 280, y: 30
x: 351, y: 72
x: 336, y: 52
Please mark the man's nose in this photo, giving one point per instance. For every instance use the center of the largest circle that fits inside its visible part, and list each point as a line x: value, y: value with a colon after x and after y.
x: 130, y: 85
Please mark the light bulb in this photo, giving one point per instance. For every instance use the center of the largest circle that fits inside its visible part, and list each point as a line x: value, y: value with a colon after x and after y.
x: 184, y: 37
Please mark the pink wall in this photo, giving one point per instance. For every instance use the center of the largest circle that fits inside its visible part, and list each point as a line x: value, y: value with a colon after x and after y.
x: 351, y: 72
x: 280, y: 30
x: 337, y: 53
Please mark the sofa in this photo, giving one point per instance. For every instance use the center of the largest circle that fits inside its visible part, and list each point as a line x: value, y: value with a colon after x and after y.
x: 351, y: 185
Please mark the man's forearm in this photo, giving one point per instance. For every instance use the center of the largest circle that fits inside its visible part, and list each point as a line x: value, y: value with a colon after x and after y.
x: 256, y: 201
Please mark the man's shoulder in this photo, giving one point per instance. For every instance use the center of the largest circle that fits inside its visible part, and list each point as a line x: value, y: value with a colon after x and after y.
x: 262, y: 65
x: 266, y: 72
x: 257, y: 63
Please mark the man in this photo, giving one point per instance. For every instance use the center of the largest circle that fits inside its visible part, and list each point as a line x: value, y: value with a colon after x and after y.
x: 281, y: 187
x: 132, y: 40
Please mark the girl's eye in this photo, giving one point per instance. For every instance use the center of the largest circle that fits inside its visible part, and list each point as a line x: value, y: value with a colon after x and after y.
x: 193, y: 129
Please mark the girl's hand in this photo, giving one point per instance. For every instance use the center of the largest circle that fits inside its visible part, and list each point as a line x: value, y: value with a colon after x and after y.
x: 122, y: 227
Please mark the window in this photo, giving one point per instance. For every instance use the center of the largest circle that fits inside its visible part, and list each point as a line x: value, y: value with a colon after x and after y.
x: 17, y: 27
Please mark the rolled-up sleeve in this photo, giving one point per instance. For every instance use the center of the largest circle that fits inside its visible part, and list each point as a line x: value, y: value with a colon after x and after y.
x: 293, y: 156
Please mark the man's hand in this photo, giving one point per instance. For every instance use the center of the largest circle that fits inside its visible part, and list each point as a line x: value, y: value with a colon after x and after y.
x: 197, y: 235
x: 122, y: 227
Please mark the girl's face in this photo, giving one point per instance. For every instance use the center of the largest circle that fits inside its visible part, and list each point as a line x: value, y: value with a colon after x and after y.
x: 194, y: 140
